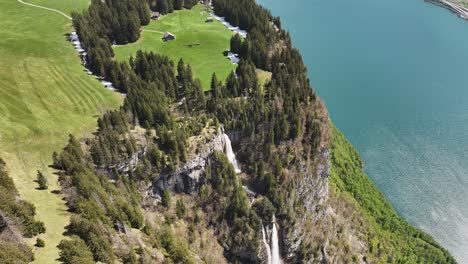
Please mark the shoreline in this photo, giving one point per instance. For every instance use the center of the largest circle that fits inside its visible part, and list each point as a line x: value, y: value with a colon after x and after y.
x: 457, y: 8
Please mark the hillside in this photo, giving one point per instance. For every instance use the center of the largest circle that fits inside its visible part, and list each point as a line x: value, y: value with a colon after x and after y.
x: 199, y: 43
x: 250, y: 171
x: 45, y: 95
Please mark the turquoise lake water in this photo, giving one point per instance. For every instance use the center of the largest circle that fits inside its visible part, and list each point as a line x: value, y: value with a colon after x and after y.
x: 394, y: 76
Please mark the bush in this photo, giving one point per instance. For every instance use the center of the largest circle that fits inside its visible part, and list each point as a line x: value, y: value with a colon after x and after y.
x: 264, y: 209
x: 75, y: 251
x: 39, y: 243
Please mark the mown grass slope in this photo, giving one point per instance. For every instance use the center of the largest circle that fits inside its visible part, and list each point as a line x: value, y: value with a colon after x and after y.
x: 44, y: 96
x: 199, y: 43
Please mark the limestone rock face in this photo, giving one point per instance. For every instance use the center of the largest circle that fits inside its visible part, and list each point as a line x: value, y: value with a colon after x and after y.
x: 190, y: 177
x: 312, y: 191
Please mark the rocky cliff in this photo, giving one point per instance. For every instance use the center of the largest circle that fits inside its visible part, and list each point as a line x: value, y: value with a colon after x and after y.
x: 190, y: 177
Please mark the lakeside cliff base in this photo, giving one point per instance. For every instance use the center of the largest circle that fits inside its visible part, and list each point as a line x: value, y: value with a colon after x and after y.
x: 457, y: 7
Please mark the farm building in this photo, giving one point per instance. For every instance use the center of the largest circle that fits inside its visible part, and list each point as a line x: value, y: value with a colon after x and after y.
x: 168, y: 36
x: 209, y: 19
x: 155, y: 15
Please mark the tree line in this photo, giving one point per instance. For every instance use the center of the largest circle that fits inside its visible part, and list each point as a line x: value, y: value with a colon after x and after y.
x: 168, y: 6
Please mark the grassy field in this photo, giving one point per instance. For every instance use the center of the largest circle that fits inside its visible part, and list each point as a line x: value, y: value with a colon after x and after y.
x: 190, y: 27
x: 66, y: 6
x: 44, y: 96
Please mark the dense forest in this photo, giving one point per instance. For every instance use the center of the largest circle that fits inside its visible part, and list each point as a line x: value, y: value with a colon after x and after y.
x: 281, y: 134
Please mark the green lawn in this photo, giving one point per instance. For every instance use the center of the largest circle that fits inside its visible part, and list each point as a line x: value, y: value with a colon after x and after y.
x: 66, y: 6
x: 44, y: 96
x: 190, y: 27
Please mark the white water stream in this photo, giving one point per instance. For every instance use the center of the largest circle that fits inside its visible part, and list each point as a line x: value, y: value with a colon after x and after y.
x: 273, y: 254
x: 267, y: 247
x: 230, y: 154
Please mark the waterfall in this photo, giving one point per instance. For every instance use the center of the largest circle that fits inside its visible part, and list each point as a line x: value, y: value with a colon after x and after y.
x: 230, y: 154
x: 275, y: 258
x: 267, y: 247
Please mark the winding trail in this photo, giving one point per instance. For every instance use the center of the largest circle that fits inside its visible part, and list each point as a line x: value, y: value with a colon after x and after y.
x: 46, y: 8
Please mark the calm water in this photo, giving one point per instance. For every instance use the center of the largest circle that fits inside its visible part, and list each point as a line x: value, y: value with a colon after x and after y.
x: 394, y: 75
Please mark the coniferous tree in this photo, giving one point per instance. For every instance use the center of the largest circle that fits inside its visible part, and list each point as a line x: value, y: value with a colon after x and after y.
x: 198, y: 95
x: 188, y: 4
x: 42, y: 181
x: 166, y: 198
x: 181, y: 78
x: 236, y: 44
x: 178, y: 4
x: 232, y: 85
x: 181, y: 210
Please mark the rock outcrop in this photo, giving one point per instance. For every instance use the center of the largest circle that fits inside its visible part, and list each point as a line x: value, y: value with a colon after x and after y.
x: 190, y: 177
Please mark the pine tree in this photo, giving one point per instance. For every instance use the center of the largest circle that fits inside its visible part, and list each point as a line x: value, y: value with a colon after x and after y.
x: 181, y: 78
x: 214, y: 86
x: 236, y: 44
x: 166, y: 198
x: 181, y: 210
x: 178, y: 4
x: 198, y: 94
x: 42, y: 181
x: 232, y: 85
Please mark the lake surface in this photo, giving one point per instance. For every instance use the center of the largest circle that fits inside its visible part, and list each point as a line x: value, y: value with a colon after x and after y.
x: 394, y: 76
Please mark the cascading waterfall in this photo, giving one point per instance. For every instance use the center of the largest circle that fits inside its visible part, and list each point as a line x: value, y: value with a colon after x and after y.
x: 230, y: 154
x: 275, y: 255
x: 267, y: 247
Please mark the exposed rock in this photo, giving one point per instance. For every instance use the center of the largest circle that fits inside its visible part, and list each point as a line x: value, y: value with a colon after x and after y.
x: 129, y: 164
x: 189, y: 177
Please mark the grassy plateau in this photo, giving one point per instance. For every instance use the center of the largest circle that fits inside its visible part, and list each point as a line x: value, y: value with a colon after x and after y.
x: 200, y: 44
x: 44, y: 96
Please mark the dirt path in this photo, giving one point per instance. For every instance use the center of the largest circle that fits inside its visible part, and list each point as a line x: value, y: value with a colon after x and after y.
x: 46, y: 8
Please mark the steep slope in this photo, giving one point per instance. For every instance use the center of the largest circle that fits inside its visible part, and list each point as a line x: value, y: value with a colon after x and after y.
x: 16, y: 222
x: 45, y: 95
x: 247, y: 173
x: 362, y: 212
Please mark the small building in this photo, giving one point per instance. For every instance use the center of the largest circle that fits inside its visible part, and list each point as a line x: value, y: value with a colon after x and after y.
x: 207, y: 2
x: 209, y: 19
x: 73, y: 37
x: 168, y: 36
x: 155, y: 15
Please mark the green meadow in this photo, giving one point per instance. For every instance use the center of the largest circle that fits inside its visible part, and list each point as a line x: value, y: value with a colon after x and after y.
x: 200, y: 44
x: 44, y: 96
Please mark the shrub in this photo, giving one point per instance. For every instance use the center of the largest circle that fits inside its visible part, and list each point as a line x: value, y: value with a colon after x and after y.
x: 75, y: 251
x: 39, y: 243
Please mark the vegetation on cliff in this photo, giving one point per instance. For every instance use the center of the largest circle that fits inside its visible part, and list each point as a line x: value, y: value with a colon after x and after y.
x: 281, y: 134
x: 388, y: 237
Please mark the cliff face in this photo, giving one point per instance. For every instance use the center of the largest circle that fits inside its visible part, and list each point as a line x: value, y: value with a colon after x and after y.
x: 190, y: 177
x: 305, y: 189
x: 312, y: 191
